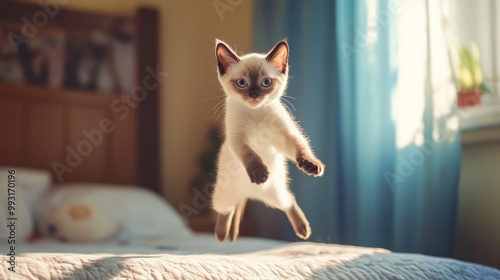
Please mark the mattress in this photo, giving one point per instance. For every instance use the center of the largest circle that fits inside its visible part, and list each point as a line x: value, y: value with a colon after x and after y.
x: 201, y: 257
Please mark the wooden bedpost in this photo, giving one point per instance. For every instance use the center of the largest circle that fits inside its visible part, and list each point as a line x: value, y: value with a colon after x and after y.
x: 149, y: 130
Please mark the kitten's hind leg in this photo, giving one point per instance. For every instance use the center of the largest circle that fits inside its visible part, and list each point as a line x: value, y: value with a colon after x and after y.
x: 224, y: 202
x: 235, y: 225
x: 299, y: 221
x: 284, y: 200
x: 222, y: 225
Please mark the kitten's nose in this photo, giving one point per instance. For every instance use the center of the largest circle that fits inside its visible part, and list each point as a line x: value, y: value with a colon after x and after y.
x: 254, y: 93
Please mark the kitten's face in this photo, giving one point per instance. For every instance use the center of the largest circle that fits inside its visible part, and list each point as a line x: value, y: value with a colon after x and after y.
x: 253, y: 79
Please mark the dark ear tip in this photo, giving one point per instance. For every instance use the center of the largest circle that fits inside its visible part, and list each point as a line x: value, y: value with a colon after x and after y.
x: 219, y: 44
x: 284, y: 43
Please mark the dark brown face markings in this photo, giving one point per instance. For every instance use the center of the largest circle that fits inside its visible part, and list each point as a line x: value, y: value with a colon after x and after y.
x: 254, y: 75
x: 254, y: 89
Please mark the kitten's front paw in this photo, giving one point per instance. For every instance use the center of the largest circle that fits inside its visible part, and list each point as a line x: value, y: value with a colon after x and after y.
x: 311, y: 165
x: 258, y: 173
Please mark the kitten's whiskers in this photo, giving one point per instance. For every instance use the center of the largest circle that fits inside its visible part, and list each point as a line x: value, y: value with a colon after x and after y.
x: 218, y: 96
x: 217, y: 107
x: 221, y: 112
x: 289, y: 103
x: 287, y: 107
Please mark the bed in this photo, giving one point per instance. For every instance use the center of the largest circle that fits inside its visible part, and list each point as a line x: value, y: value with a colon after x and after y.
x: 42, y: 122
x: 200, y: 257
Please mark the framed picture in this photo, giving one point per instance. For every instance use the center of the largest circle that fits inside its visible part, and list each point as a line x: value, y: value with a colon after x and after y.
x: 95, y: 59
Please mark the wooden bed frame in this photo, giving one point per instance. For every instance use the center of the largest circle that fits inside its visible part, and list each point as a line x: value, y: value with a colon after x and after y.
x: 59, y: 130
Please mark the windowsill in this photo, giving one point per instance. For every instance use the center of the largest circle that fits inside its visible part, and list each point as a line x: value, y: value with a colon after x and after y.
x: 481, y: 125
x: 481, y: 117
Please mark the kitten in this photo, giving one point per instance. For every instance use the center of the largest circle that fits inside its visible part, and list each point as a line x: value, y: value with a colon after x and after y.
x: 260, y: 136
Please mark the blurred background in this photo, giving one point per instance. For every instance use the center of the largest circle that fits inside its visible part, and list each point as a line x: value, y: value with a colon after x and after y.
x: 399, y: 98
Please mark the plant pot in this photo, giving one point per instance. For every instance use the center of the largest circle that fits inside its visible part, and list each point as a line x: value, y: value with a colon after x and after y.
x: 466, y: 98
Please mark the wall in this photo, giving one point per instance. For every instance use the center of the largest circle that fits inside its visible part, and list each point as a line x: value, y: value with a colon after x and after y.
x: 478, y: 227
x: 188, y: 31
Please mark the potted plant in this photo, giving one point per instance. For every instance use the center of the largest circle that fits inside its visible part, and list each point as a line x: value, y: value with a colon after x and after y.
x: 470, y: 78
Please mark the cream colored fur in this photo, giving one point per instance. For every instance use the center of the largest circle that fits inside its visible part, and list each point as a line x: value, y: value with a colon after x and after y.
x: 260, y: 136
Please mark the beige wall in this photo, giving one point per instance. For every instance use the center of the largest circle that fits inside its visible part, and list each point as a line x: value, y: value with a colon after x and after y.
x: 188, y: 30
x: 478, y: 227
x: 189, y: 41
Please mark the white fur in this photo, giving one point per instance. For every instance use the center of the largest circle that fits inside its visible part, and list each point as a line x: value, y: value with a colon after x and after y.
x: 253, y: 126
x: 269, y: 130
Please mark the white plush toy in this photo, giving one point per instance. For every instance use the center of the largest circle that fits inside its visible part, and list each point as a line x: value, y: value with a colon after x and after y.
x: 92, y: 212
x: 79, y: 222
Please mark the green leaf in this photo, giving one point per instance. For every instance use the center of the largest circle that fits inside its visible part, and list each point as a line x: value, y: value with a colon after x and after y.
x: 466, y: 80
x: 477, y: 75
x: 470, y: 73
x: 474, y: 51
x: 485, y: 88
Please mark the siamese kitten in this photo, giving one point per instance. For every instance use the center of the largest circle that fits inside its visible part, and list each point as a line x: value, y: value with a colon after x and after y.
x: 260, y: 136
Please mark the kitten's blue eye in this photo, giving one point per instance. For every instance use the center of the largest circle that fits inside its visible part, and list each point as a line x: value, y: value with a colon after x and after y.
x: 266, y: 82
x: 241, y: 83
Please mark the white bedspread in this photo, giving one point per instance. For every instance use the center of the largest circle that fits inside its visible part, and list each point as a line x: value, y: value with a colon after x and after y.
x: 202, y: 258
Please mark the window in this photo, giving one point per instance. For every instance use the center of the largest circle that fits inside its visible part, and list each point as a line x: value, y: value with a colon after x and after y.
x: 479, y: 21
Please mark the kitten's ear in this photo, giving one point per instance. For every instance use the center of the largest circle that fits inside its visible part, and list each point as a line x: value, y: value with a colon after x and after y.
x: 278, y: 56
x: 225, y: 56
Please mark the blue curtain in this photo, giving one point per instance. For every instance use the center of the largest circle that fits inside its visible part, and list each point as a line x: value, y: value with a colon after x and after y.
x: 392, y: 157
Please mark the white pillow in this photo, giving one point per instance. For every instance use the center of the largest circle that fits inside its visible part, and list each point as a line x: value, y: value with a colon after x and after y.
x: 142, y: 213
x: 20, y: 227
x: 34, y: 183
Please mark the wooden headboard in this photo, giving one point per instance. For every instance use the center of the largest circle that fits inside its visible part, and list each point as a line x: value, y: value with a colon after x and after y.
x: 81, y: 135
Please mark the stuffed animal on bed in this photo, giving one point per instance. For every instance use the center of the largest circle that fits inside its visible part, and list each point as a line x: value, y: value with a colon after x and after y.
x: 82, y: 212
x: 79, y: 222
